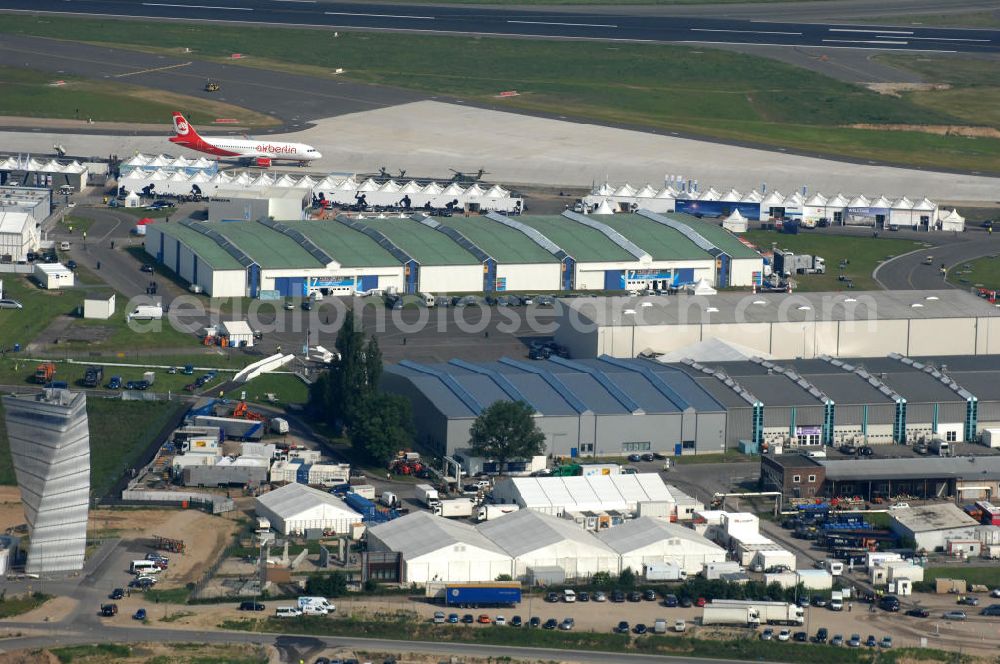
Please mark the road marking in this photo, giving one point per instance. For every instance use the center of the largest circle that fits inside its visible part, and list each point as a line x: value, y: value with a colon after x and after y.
x: 852, y: 41
x: 422, y: 18
x: 748, y: 32
x: 856, y: 48
x: 577, y: 25
x: 165, y: 4
x: 310, y: 2
x: 958, y: 39
x: 146, y: 71
x: 883, y: 32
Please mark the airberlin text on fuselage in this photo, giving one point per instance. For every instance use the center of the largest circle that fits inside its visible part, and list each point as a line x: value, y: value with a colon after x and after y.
x: 277, y: 149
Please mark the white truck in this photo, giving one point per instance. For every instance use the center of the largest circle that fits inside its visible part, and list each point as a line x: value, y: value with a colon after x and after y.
x: 664, y: 572
x: 456, y: 508
x: 751, y: 612
x: 428, y: 495
x: 487, y: 512
x: 315, y: 606
x: 146, y: 312
x: 279, y: 425
x: 789, y: 264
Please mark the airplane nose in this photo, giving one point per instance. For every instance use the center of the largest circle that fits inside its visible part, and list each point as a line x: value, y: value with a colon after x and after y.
x: 317, y: 154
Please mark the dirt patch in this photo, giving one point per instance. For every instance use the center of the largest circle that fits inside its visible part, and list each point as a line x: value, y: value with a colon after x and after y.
x: 29, y: 657
x: 204, y: 535
x: 940, y: 130
x: 894, y: 89
x: 11, y: 509
x: 53, y: 610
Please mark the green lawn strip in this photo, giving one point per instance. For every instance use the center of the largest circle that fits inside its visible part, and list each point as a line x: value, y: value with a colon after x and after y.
x: 987, y: 576
x: 288, y: 388
x: 41, y: 94
x: 120, y: 431
x: 699, y: 90
x: 863, y: 252
x: 745, y: 648
x: 977, y: 20
x: 74, y: 224
x: 985, y: 271
x: 15, y: 606
x: 21, y: 326
x: 167, y: 596
x: 100, y: 652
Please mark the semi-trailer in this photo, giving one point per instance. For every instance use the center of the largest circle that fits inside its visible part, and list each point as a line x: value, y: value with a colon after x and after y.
x: 476, y: 595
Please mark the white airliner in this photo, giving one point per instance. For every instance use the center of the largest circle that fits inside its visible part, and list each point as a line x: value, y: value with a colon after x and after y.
x: 262, y: 152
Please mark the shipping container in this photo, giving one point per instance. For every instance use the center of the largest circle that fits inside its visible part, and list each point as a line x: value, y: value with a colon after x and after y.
x: 475, y: 595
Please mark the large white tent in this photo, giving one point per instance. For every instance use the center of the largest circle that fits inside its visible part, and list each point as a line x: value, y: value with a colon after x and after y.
x: 294, y: 508
x: 951, y: 220
x: 537, y: 540
x: 649, y: 540
x: 595, y: 493
x: 437, y: 549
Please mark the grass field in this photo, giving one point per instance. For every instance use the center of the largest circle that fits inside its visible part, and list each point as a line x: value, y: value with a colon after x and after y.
x: 119, y: 432
x: 32, y: 93
x: 987, y: 576
x: 678, y: 88
x: 955, y: 20
x: 15, y: 606
x: 863, y: 252
x: 287, y: 388
x: 985, y: 271
x: 21, y: 326
x: 162, y: 653
x: 973, y: 94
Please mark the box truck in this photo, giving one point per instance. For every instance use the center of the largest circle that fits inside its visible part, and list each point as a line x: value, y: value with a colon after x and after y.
x: 146, y: 312
x: 669, y: 571
x: 940, y: 447
x: 487, y: 512
x: 714, y: 571
x: 740, y: 616
x: 457, y: 508
x: 991, y: 437
x: 279, y: 425
x: 428, y: 495
x: 476, y: 595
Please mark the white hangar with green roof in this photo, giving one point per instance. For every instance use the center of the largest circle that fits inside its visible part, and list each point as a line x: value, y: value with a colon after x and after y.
x: 416, y: 253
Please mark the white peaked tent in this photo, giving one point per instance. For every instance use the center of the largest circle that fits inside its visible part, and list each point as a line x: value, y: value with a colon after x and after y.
x: 132, y: 200
x: 702, y: 287
x: 735, y: 222
x: 605, y: 190
x: 604, y: 208
x: 951, y: 221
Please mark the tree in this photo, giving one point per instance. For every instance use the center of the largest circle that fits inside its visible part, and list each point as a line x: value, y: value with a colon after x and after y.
x: 507, y: 430
x: 627, y: 578
x: 338, y: 394
x: 382, y: 426
x: 327, y: 585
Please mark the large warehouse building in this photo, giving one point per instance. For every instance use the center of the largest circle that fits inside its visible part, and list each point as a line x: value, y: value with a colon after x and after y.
x: 608, y: 406
x: 784, y: 326
x: 602, y: 407
x: 415, y: 253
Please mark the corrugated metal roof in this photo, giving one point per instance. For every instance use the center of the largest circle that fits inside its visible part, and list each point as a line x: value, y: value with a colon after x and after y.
x: 647, y: 531
x: 421, y: 533
x: 965, y: 467
x: 928, y: 518
x: 293, y: 499
x: 525, y: 531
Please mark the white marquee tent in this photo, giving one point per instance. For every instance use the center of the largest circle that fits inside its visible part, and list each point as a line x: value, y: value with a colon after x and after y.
x: 434, y: 548
x: 294, y: 508
x: 648, y: 540
x: 537, y: 540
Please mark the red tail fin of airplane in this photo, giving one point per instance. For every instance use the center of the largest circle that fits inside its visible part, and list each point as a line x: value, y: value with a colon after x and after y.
x: 183, y: 131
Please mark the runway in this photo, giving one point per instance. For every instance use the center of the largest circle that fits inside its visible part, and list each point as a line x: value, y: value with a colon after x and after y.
x: 292, y: 98
x: 621, y: 25
x: 427, y: 138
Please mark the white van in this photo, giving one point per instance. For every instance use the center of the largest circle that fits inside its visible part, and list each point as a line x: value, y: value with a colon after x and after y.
x: 315, y: 606
x: 146, y: 312
x: 834, y: 567
x: 64, y: 246
x: 569, y: 596
x: 144, y: 567
x: 428, y: 299
x: 287, y: 612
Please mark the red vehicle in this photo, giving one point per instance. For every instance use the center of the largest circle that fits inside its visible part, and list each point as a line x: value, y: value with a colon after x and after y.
x: 701, y: 602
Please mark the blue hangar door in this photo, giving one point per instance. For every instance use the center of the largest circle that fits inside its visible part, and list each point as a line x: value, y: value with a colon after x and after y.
x: 367, y: 282
x: 614, y: 280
